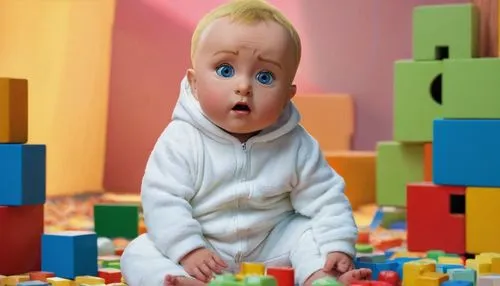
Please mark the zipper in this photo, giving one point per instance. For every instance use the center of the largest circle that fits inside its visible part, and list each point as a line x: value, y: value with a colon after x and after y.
x: 244, y: 146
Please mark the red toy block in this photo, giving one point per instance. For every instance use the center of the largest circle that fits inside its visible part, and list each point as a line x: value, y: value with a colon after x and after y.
x: 370, y: 283
x: 41, y: 275
x: 390, y: 277
x: 110, y: 275
x: 285, y: 276
x: 21, y: 229
x: 435, y: 217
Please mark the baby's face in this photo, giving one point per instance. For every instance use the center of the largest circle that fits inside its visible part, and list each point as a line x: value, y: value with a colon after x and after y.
x: 243, y: 74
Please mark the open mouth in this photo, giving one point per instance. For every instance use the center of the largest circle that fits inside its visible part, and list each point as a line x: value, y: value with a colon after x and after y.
x: 241, y: 107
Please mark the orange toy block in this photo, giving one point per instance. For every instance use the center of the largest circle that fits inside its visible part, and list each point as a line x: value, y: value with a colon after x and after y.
x: 358, y: 170
x: 428, y: 162
x: 13, y: 110
x: 329, y: 118
x: 41, y: 275
x: 21, y: 230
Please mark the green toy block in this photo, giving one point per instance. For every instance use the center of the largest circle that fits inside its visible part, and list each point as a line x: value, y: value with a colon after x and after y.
x: 471, y: 88
x: 364, y: 248
x: 417, y: 99
x: 116, y: 220
x: 445, y: 31
x: 260, y: 281
x: 326, y: 281
x: 397, y: 165
x: 435, y: 254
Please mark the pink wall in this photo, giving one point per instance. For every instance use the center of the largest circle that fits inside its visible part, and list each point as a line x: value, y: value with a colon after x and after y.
x: 349, y: 46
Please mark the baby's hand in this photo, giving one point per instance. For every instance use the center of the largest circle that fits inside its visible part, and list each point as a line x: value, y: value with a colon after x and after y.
x: 201, y: 263
x: 338, y: 263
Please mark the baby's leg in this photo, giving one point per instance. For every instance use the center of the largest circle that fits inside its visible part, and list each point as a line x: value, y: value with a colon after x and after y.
x: 143, y: 265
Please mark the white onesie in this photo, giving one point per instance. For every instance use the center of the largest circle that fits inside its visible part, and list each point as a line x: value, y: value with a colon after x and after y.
x: 248, y: 202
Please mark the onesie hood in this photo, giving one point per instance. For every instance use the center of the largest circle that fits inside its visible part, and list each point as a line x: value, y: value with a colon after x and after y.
x: 189, y: 110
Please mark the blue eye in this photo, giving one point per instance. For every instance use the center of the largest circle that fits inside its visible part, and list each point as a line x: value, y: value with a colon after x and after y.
x: 265, y: 77
x: 225, y: 70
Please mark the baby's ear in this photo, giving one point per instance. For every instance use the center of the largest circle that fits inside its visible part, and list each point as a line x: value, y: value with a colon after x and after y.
x: 293, y: 90
x: 191, y: 76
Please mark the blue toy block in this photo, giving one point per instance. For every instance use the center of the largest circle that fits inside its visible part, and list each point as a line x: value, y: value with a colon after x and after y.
x: 401, y: 261
x: 444, y: 268
x: 457, y: 283
x: 22, y: 174
x: 70, y: 253
x: 466, y: 152
x: 465, y: 274
x: 377, y: 267
x: 33, y: 283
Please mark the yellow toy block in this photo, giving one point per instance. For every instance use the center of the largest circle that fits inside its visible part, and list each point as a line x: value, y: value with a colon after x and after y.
x: 481, y: 267
x: 89, y: 280
x: 482, y: 229
x: 58, y: 281
x: 2, y: 280
x: 495, y: 265
x: 414, y: 269
x: 431, y: 279
x: 486, y: 257
x: 13, y: 280
x: 450, y: 260
x: 13, y: 110
x: 249, y: 268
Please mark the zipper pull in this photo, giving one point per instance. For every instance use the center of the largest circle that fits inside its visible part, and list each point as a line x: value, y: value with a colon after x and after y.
x: 244, y: 146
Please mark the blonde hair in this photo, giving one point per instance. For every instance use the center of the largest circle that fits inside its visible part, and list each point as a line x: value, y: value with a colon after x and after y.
x: 247, y: 12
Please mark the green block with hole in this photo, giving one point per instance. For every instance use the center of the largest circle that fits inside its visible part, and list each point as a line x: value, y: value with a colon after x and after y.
x: 452, y: 26
x: 417, y: 97
x: 471, y: 88
x: 116, y: 220
x: 397, y: 165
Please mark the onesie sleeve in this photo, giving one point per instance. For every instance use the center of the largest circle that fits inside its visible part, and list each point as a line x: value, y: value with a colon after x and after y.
x: 167, y: 187
x: 319, y: 194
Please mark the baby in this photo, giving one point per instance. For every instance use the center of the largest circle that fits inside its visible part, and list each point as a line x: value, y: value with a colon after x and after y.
x: 234, y: 178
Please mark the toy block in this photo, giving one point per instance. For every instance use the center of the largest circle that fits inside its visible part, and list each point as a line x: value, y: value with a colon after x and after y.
x: 481, y: 229
x: 110, y: 275
x: 397, y: 165
x: 13, y: 110
x: 435, y: 254
x: 259, y: 280
x: 431, y: 279
x: 70, y: 253
x: 358, y: 170
x: 428, y: 162
x: 285, y: 276
x: 378, y: 267
x: 372, y: 257
x: 33, y: 283
x: 21, y: 228
x: 486, y: 257
x: 58, y: 281
x: 116, y: 220
x: 249, y: 268
x: 391, y: 277
x: 413, y: 269
x: 465, y: 274
x: 490, y: 280
x: 457, y: 283
x: 495, y: 265
x: 435, y: 217
x: 444, y: 268
x: 329, y: 118
x: 326, y: 281
x: 417, y: 99
x: 445, y: 31
x: 465, y: 152
x: 481, y: 267
x: 451, y: 260
x: 14, y: 280
x: 88, y: 279
x: 41, y: 275
x: 470, y: 89
x: 22, y: 174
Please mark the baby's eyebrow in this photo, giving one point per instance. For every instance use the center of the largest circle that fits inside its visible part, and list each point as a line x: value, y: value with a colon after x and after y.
x: 269, y: 61
x: 226, y: 52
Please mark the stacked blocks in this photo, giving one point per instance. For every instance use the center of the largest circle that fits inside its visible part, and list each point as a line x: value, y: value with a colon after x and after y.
x: 461, y: 108
x: 70, y: 254
x: 22, y: 183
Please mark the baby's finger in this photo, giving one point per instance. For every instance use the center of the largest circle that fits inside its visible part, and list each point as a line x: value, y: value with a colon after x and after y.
x: 214, y: 266
x: 198, y: 274
x: 206, y: 271
x: 329, y: 264
x: 219, y: 261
